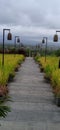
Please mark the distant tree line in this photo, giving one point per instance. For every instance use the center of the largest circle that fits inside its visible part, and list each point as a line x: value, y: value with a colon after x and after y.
x: 13, y: 51
x: 28, y: 51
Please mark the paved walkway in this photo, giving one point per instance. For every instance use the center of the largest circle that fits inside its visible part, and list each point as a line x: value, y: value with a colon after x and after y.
x: 33, y: 105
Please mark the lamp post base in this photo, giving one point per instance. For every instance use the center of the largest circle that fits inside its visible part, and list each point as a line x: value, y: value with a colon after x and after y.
x: 59, y: 64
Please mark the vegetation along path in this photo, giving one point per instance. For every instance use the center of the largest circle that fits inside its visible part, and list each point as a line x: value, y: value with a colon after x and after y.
x: 33, y: 106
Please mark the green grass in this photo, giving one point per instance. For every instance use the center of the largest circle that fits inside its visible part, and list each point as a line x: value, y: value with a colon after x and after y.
x: 10, y: 63
x: 52, y: 71
x: 6, y: 71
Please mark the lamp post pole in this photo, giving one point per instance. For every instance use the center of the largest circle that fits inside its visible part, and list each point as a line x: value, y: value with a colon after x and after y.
x: 9, y: 38
x: 19, y: 42
x: 55, y: 39
x: 43, y: 41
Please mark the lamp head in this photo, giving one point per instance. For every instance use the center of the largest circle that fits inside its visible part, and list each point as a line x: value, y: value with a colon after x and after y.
x: 43, y: 41
x: 18, y: 40
x: 9, y: 37
x: 55, y: 39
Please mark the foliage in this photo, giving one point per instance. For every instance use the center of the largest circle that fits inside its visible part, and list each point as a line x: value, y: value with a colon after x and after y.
x: 11, y: 62
x: 57, y: 52
x: 6, y: 71
x: 52, y: 72
x: 3, y: 108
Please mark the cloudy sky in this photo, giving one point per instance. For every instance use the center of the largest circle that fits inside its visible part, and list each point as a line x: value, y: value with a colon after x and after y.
x: 30, y: 19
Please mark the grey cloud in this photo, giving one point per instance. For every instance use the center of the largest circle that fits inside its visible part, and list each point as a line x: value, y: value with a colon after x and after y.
x: 22, y: 15
x: 30, y: 13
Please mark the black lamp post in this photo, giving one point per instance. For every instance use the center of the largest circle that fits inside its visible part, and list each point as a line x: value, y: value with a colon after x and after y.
x: 43, y: 41
x: 18, y: 40
x: 9, y: 37
x: 55, y: 39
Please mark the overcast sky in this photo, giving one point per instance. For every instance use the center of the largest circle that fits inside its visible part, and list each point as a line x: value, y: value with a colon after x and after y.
x: 30, y: 18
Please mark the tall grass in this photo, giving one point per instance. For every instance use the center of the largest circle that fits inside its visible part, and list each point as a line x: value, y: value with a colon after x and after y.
x: 52, y: 72
x: 10, y: 63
